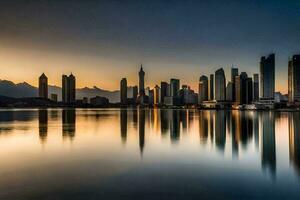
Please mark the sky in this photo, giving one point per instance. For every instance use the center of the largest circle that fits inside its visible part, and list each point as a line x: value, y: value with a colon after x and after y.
x: 101, y: 42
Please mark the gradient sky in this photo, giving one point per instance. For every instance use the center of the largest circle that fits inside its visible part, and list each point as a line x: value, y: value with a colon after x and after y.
x: 103, y: 41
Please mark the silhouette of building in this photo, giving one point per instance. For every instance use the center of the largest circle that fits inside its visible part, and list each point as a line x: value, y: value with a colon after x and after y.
x: 175, y: 85
x: 188, y: 96
x: 134, y: 93
x: 203, y: 89
x: 267, y: 77
x: 68, y: 89
x: 255, y: 87
x: 123, y: 91
x: 294, y: 79
x: 249, y: 90
x: 229, y: 91
x: 99, y: 101
x: 211, y: 87
x: 151, y: 97
x: 43, y: 86
x: 241, y: 88
x: 220, y: 85
x: 54, y: 97
x: 164, y: 86
x: 156, y: 95
x: 141, y: 82
x: 234, y: 73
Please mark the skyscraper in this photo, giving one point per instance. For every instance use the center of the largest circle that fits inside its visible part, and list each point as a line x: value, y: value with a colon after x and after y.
x: 123, y: 91
x: 267, y: 77
x: 249, y: 90
x: 234, y: 73
x: 220, y: 85
x: 163, y: 91
x: 141, y: 82
x: 68, y: 89
x: 211, y: 87
x: 135, y: 93
x: 255, y: 87
x: 294, y: 79
x: 175, y: 85
x: 43, y: 86
x: 156, y: 95
x: 203, y: 89
x: 229, y: 91
x: 241, y: 88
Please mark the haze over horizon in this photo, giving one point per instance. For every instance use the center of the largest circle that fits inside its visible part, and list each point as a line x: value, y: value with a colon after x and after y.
x: 103, y: 41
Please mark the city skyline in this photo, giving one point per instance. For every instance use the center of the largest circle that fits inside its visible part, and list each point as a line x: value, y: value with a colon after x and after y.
x: 178, y: 39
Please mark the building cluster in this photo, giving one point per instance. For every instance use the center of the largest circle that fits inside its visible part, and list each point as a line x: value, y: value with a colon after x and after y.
x: 68, y: 93
x: 241, y: 91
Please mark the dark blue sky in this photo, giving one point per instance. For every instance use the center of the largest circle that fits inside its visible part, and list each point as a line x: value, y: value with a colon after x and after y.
x: 182, y: 39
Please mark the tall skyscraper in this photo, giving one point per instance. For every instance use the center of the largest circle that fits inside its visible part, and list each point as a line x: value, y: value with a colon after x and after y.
x: 156, y: 95
x: 294, y: 79
x: 43, y: 86
x: 229, y: 91
x: 141, y: 82
x: 175, y: 85
x: 135, y: 93
x: 203, y: 89
x: 163, y: 91
x: 267, y: 77
x: 220, y: 85
x: 68, y: 89
x: 211, y: 87
x: 123, y: 91
x: 249, y: 90
x: 255, y: 87
x: 241, y: 88
x: 234, y: 73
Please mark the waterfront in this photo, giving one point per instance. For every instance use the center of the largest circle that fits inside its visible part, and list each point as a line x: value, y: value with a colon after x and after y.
x: 149, y: 154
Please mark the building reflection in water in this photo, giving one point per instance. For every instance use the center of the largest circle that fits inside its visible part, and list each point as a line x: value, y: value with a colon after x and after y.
x: 123, y: 124
x: 164, y: 121
x: 203, y: 125
x: 68, y: 123
x: 294, y: 140
x: 267, y: 124
x: 43, y: 124
x: 141, y: 114
x: 220, y: 130
x: 175, y: 125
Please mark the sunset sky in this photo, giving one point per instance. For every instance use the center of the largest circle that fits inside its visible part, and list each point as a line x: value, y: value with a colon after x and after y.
x: 102, y: 41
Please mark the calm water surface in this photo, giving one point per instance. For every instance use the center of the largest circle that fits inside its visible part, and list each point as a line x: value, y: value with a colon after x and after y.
x: 149, y: 154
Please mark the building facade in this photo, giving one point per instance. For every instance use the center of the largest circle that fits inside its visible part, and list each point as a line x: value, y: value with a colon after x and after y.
x: 220, y: 85
x: 211, y: 87
x: 43, y: 86
x: 294, y: 79
x: 123, y: 91
x: 203, y: 89
x: 68, y: 89
x: 267, y: 77
x: 255, y: 87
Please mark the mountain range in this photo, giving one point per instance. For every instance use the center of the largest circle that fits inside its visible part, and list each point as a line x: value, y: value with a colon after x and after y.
x: 20, y: 90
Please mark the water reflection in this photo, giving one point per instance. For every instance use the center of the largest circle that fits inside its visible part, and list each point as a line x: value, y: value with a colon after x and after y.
x: 68, y: 123
x: 234, y: 132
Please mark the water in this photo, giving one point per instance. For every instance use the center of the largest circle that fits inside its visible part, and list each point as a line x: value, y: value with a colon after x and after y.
x: 149, y: 154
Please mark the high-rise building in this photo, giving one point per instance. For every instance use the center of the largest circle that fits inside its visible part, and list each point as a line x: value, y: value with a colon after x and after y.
x: 294, y: 79
x: 255, y: 87
x: 203, y: 89
x: 156, y: 95
x: 43, y: 86
x: 229, y: 91
x: 267, y: 77
x: 68, y: 89
x: 241, y: 88
x: 123, y: 91
x: 135, y: 93
x: 141, y: 82
x: 234, y: 73
x: 163, y: 91
x: 220, y: 85
x: 211, y: 87
x: 244, y: 89
x: 175, y: 85
x: 151, y: 97
x: 54, y: 97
